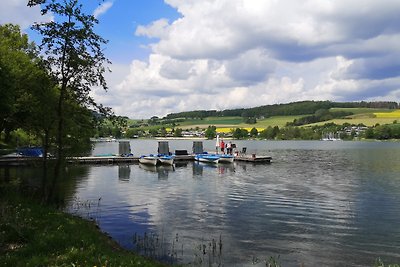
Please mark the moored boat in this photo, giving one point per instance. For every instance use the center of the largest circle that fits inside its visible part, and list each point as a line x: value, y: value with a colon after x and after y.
x: 226, y: 158
x: 150, y: 160
x: 208, y: 158
x: 166, y: 159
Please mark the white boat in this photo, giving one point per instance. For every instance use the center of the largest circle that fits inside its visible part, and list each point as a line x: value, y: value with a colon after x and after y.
x: 150, y: 160
x: 209, y: 158
x: 331, y: 137
x: 166, y: 159
x: 226, y: 158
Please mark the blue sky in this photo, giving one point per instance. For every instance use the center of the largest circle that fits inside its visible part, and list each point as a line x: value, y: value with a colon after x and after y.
x: 178, y: 55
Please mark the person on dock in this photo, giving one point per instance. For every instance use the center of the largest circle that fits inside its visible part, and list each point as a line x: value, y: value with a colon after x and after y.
x: 222, y: 145
x: 229, y: 148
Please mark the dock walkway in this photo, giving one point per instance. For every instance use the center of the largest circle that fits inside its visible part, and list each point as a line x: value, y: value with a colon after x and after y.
x: 118, y: 159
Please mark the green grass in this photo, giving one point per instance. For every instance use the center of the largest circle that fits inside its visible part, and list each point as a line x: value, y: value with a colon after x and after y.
x: 279, y: 121
x: 366, y: 116
x: 368, y: 121
x: 213, y: 121
x: 36, y: 235
x: 356, y: 111
x: 237, y: 122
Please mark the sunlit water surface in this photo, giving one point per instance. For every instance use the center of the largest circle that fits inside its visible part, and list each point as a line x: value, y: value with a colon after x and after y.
x: 318, y: 203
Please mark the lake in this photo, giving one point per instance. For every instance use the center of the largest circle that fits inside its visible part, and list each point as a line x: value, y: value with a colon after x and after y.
x: 317, y: 203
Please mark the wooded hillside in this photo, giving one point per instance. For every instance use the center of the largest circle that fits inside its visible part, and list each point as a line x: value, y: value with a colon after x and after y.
x: 295, y: 108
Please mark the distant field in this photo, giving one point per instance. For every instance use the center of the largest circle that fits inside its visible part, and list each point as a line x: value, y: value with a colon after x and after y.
x: 365, y: 121
x: 279, y: 121
x: 225, y: 124
x: 213, y: 121
x: 228, y: 130
x: 362, y: 110
x: 367, y: 116
x: 390, y: 115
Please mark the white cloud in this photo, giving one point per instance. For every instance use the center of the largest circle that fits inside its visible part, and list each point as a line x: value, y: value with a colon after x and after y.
x: 225, y: 54
x: 18, y: 12
x: 157, y: 29
x: 102, y: 9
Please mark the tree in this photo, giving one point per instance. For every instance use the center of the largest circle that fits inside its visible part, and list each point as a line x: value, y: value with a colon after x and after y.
x: 254, y: 132
x: 178, y: 132
x: 211, y: 132
x: 16, y: 66
x: 153, y: 132
x: 163, y: 131
x: 239, y: 133
x: 75, y: 59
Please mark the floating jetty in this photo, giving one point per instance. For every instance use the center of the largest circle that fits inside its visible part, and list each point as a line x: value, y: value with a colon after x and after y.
x: 119, y: 159
x: 125, y: 156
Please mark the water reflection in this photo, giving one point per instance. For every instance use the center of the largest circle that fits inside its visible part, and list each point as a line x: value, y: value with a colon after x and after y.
x: 41, y: 183
x: 124, y: 172
x: 162, y: 170
x: 329, y: 206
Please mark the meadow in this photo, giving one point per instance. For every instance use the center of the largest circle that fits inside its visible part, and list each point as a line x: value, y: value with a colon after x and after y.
x: 366, y: 116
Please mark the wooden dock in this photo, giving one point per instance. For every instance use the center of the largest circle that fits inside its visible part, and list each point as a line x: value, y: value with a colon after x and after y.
x: 119, y: 159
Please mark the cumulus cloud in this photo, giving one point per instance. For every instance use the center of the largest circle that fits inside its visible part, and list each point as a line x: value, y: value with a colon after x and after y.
x: 17, y: 12
x: 157, y: 29
x: 102, y: 9
x: 225, y: 54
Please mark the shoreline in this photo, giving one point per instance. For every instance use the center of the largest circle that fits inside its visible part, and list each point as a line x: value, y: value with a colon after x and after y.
x: 41, y: 236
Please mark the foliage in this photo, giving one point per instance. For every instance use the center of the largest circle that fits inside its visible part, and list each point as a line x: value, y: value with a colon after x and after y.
x: 254, y: 132
x: 295, y: 108
x: 270, y: 132
x: 211, y: 132
x: 240, y: 133
x: 18, y: 73
x: 379, y: 263
x: 178, y: 132
x: 38, y: 235
x: 383, y: 132
x: 320, y: 115
x: 74, y: 57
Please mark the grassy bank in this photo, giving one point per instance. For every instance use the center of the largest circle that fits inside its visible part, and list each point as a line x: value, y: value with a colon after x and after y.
x: 37, y: 235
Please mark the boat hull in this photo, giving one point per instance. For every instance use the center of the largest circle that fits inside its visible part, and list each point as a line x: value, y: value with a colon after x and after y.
x: 166, y: 160
x: 207, y: 158
x: 226, y: 159
x: 148, y: 160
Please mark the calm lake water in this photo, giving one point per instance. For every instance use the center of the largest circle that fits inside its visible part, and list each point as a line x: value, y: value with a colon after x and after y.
x: 318, y: 203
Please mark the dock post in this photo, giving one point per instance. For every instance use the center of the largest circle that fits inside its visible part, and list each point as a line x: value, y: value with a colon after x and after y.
x: 124, y: 148
x: 163, y: 148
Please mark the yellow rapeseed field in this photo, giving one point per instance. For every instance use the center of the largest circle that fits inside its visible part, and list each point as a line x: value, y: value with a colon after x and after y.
x: 394, y: 114
x: 228, y: 130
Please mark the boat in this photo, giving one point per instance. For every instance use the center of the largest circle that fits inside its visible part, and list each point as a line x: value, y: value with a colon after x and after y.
x: 209, y: 158
x: 225, y: 158
x: 150, y: 160
x: 166, y: 159
x: 331, y: 137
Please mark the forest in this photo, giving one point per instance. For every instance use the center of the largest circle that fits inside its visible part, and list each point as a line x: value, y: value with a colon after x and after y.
x: 295, y: 108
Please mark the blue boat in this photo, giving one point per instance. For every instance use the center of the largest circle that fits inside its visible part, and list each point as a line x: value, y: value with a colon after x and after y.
x: 30, y: 152
x: 166, y: 159
x: 208, y: 158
